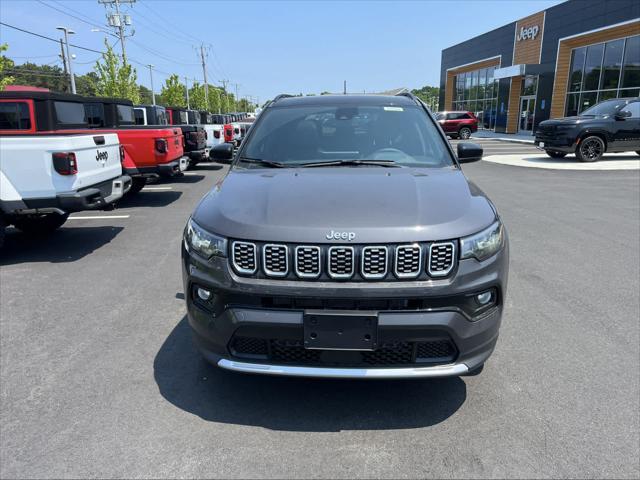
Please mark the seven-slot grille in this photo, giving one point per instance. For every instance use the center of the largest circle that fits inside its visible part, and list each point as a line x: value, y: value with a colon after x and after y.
x: 372, y: 262
x: 244, y: 257
x: 408, y: 261
x: 441, y: 257
x: 275, y: 260
x: 308, y: 262
x: 340, y: 262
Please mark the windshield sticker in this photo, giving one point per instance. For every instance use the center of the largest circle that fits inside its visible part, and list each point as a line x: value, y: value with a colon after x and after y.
x: 394, y: 109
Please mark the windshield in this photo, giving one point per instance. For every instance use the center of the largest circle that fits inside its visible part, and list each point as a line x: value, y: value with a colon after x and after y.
x: 605, y: 108
x: 311, y: 134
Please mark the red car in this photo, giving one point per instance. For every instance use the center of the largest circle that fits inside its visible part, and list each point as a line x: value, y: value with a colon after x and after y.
x: 458, y: 124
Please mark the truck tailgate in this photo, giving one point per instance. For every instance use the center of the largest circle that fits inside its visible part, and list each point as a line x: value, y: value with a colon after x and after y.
x: 26, y: 160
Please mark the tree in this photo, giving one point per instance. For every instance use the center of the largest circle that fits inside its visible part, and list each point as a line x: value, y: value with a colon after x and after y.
x: 43, y: 76
x: 116, y: 79
x: 173, y: 92
x: 145, y: 95
x: 429, y: 95
x: 5, y: 63
x: 215, y: 96
x: 87, y: 85
x: 197, y: 98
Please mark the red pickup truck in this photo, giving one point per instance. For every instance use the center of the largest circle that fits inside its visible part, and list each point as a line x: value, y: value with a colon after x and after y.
x: 150, y: 151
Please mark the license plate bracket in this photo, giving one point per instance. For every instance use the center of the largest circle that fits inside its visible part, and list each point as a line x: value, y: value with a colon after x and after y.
x: 116, y: 188
x: 340, y: 330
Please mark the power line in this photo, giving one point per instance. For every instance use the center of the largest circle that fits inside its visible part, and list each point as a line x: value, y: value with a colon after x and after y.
x: 49, y: 38
x: 164, y: 20
x: 68, y: 14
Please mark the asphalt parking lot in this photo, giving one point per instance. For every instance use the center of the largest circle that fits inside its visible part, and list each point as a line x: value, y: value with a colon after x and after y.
x: 99, y: 377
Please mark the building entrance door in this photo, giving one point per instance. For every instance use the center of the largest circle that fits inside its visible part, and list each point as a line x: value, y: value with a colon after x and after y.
x: 527, y: 112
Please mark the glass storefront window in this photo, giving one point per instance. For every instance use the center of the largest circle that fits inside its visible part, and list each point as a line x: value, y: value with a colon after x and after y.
x: 530, y: 85
x: 577, y: 65
x: 476, y: 92
x: 631, y: 68
x: 592, y: 67
x: 611, y: 65
x: 603, y: 71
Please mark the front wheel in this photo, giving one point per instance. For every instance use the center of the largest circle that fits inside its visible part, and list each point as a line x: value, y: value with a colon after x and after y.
x: 591, y: 149
x: 554, y: 154
x: 464, y: 133
x: 40, y: 224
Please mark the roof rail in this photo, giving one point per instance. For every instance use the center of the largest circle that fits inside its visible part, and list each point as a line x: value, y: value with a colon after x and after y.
x: 281, y: 96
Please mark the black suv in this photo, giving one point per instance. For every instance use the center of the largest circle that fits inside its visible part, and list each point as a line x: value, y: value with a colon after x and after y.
x: 609, y: 126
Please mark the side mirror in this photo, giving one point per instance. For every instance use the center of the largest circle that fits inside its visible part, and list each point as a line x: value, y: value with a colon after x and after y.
x: 469, y: 152
x: 621, y: 115
x: 222, y: 153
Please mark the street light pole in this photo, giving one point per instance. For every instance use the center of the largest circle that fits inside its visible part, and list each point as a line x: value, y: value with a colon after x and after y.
x: 67, y: 32
x: 153, y: 94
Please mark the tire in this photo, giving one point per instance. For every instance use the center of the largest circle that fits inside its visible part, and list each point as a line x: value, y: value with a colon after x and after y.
x: 464, y: 133
x: 591, y: 149
x: 137, y: 184
x: 554, y: 154
x: 40, y: 224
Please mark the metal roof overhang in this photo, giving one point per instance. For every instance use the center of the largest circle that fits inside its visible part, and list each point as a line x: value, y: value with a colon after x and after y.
x: 522, y: 69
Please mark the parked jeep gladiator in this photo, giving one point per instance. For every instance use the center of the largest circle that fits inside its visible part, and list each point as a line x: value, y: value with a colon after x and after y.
x: 214, y: 132
x: 150, y: 115
x: 609, y: 126
x: 345, y: 241
x: 195, y: 138
x: 149, y: 151
x: 44, y: 174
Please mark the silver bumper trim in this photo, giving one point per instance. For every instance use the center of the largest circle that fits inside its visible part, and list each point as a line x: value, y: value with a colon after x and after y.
x: 415, y: 372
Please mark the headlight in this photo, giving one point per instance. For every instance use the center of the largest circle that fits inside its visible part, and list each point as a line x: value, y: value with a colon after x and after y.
x: 483, y: 244
x: 202, y: 242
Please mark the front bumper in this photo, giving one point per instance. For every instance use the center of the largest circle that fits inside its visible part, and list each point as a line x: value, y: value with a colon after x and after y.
x: 266, y: 311
x: 94, y: 197
x: 556, y: 143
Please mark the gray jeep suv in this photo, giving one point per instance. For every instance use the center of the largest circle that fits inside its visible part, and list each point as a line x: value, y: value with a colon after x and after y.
x: 345, y: 241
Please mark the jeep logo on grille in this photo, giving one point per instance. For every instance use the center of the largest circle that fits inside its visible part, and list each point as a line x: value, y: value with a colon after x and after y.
x: 333, y: 235
x: 102, y: 157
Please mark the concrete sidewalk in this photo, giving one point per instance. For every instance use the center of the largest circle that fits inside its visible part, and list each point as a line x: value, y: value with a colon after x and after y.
x: 505, y: 137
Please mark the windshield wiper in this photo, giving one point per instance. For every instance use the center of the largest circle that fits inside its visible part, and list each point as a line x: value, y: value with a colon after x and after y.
x: 333, y: 163
x: 267, y: 163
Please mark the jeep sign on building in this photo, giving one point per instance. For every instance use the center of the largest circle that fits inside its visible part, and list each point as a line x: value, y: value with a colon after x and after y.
x: 550, y: 64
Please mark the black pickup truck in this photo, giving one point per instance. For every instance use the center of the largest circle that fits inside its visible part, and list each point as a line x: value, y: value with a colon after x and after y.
x: 195, y: 137
x: 609, y: 126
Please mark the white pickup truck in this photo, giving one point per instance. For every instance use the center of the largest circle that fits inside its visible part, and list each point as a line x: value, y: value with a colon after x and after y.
x: 45, y: 177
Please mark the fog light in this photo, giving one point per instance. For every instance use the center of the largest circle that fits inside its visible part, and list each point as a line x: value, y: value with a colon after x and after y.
x: 204, y: 294
x: 484, y: 298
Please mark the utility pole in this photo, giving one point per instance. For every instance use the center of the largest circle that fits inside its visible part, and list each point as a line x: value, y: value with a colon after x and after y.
x: 235, y: 106
x: 226, y: 98
x: 344, y: 90
x: 186, y: 84
x: 119, y: 21
x: 67, y: 32
x: 153, y: 94
x: 63, y: 56
x: 204, y: 74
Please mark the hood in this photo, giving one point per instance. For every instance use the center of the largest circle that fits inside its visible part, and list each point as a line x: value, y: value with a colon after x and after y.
x: 376, y: 204
x: 576, y: 120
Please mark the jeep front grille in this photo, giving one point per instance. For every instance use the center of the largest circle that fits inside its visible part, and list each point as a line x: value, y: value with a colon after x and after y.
x: 441, y: 257
x: 308, y: 262
x: 243, y: 257
x: 416, y: 261
x: 340, y: 262
x: 374, y: 262
x: 408, y: 261
x: 275, y: 260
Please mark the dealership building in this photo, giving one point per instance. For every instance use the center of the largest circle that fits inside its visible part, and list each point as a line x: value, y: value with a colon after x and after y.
x: 554, y: 63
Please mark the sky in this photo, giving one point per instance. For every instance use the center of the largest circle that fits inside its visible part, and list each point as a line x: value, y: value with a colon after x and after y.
x: 264, y: 48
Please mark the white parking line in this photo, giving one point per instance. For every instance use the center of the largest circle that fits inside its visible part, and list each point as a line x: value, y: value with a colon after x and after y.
x: 148, y: 189
x: 98, y: 217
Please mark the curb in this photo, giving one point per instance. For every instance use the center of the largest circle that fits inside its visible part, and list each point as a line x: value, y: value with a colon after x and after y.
x: 502, y: 139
